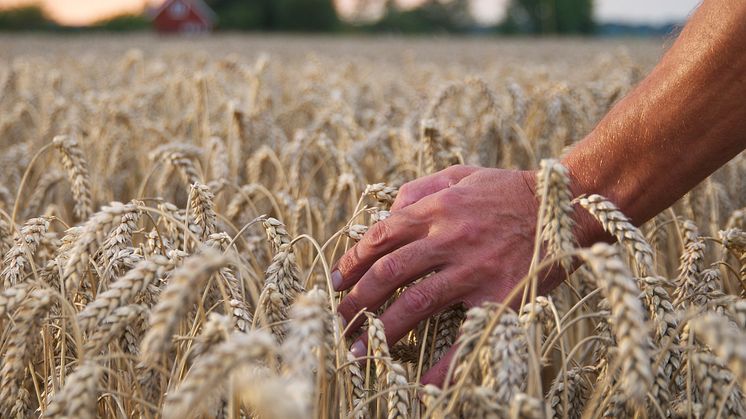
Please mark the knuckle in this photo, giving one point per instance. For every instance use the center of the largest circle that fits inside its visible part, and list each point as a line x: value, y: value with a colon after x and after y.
x: 404, y: 191
x: 350, y: 306
x: 417, y: 300
x: 447, y: 199
x: 388, y: 267
x: 467, y: 232
x: 454, y: 169
x: 346, y: 265
x: 379, y: 234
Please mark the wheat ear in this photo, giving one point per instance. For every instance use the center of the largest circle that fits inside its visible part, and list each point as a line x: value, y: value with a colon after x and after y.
x: 78, y: 397
x: 304, y: 349
x: 123, y: 291
x: 77, y: 172
x: 20, y: 346
x: 207, y: 375
x: 182, y: 291
x: 692, y: 260
x: 119, y: 239
x: 20, y: 256
x: 112, y: 327
x: 503, y: 360
x: 627, y: 317
x: 202, y: 208
x: 555, y: 220
x: 712, y: 381
x: 726, y: 340
x: 84, y: 247
x: 282, y: 284
x: 618, y: 225
x: 569, y: 393
x: 357, y: 388
x: 389, y: 373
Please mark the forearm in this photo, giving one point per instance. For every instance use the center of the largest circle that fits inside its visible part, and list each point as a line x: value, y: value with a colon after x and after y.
x: 683, y: 121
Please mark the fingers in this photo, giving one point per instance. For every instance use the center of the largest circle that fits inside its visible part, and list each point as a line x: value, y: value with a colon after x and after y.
x: 383, y: 237
x: 388, y: 273
x: 436, y: 375
x: 415, y: 304
x: 413, y: 191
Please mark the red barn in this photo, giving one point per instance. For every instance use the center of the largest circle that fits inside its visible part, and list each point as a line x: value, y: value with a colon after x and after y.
x: 183, y: 16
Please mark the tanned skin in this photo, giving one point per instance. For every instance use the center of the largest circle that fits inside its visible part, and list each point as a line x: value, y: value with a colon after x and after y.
x: 474, y: 227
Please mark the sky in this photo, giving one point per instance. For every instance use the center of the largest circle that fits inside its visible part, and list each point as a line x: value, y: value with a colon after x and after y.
x: 81, y: 12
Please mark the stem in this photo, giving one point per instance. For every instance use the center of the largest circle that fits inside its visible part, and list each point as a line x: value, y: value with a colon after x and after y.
x: 23, y: 181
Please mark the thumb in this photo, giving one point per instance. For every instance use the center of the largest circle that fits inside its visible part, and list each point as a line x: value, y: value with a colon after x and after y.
x: 436, y: 375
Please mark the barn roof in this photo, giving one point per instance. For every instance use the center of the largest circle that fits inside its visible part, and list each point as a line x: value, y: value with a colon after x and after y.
x: 199, y: 5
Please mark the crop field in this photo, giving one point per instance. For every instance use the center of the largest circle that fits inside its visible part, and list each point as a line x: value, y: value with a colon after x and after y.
x: 170, y: 210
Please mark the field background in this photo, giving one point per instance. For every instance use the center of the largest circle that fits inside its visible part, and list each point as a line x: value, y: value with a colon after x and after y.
x: 239, y: 159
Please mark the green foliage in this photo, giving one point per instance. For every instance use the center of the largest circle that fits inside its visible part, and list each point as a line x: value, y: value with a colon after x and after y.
x: 550, y: 16
x: 430, y: 17
x: 124, y: 23
x: 305, y: 15
x: 241, y: 15
x: 276, y: 15
x: 25, y: 18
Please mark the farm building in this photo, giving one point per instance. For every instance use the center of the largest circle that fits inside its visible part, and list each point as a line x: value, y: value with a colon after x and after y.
x: 183, y: 16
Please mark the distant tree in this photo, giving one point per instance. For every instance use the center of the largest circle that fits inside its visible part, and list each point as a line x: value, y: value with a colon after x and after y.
x: 24, y: 18
x: 550, y: 16
x: 433, y: 16
x: 306, y: 15
x: 276, y: 15
x: 243, y: 15
x: 128, y: 22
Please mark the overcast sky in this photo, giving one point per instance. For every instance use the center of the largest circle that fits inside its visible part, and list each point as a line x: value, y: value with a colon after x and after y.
x: 77, y: 12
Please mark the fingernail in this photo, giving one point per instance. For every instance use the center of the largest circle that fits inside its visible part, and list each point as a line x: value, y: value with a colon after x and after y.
x: 336, y: 280
x: 342, y: 321
x: 358, y: 349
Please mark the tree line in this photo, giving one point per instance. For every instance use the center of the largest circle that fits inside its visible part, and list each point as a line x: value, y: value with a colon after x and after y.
x: 435, y: 16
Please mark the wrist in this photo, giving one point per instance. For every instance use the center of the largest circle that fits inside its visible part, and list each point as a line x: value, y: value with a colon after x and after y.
x: 586, y: 229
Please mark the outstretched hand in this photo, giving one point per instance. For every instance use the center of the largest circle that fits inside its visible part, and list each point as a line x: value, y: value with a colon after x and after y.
x: 472, y: 228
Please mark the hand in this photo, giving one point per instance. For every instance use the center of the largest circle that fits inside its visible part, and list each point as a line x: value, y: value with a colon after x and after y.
x: 472, y: 228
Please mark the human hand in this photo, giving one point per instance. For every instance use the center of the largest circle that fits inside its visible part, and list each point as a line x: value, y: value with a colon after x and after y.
x: 473, y: 228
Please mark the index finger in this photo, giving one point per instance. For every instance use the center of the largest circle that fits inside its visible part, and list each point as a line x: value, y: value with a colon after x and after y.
x: 382, y: 238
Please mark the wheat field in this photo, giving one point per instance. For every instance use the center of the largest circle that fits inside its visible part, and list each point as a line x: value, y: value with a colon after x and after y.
x: 170, y: 210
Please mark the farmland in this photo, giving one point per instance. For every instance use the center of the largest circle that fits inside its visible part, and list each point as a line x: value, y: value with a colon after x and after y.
x: 171, y: 209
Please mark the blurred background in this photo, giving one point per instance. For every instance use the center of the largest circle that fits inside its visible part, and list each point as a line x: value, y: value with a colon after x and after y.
x: 498, y: 17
